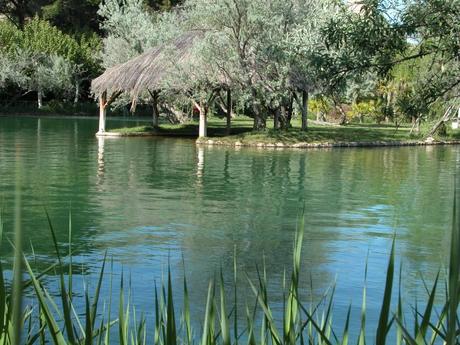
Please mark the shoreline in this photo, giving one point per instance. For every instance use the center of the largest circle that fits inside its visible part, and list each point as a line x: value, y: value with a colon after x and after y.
x: 340, y: 144
x: 281, y: 145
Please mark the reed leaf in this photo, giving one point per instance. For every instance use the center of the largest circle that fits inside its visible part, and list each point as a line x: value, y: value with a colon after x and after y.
x: 454, y: 270
x: 382, y: 329
x: 54, y: 330
x: 224, y: 324
x: 171, y: 336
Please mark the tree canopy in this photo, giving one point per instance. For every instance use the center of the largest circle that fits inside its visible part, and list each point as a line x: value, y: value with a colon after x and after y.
x: 388, y: 60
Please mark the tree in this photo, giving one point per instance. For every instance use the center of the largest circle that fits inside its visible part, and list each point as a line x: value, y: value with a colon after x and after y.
x: 131, y: 30
x: 12, y: 70
x: 384, y: 35
x: 250, y: 42
x: 72, y: 16
x: 16, y: 10
x: 44, y: 59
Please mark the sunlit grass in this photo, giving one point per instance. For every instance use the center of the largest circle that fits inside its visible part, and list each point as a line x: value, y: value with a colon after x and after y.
x: 242, y: 132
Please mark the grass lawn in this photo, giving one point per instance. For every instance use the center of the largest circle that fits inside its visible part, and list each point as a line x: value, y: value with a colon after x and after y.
x: 242, y: 132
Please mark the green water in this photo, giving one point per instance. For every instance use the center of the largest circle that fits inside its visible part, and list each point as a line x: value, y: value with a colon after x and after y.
x: 150, y: 200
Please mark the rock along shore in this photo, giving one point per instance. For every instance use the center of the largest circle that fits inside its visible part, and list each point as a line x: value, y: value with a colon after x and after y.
x: 306, y: 145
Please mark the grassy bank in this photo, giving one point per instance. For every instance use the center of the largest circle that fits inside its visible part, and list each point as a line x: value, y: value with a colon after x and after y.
x: 243, y: 134
x: 216, y: 128
x: 49, y: 319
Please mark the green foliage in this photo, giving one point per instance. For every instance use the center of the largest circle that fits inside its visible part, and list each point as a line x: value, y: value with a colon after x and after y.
x: 366, y: 109
x: 72, y: 15
x: 360, y: 43
x: 131, y: 29
x: 39, y: 37
x: 42, y: 58
x: 411, y: 45
x: 403, y: 56
x: 9, y: 36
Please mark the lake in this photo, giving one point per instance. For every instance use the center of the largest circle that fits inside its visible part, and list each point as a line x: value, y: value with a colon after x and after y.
x: 150, y: 201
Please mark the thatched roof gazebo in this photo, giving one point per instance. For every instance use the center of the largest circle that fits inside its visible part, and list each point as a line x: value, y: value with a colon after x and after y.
x: 149, y: 72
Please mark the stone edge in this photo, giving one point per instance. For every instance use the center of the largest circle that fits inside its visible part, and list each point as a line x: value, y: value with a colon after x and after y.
x: 119, y: 135
x: 305, y: 145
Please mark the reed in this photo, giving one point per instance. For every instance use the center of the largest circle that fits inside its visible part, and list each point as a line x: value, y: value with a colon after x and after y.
x: 47, y: 321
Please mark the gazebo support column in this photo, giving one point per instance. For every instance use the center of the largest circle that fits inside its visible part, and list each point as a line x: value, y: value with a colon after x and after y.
x: 229, y: 112
x: 102, y: 112
x: 104, y: 102
x: 203, y: 130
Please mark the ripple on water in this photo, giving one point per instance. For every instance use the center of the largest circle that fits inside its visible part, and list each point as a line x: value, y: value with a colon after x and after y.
x: 153, y: 201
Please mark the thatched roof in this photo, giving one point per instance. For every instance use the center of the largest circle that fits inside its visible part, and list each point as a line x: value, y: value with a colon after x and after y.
x: 148, y: 70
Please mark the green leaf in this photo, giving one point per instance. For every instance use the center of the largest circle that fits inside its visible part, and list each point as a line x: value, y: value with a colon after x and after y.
x: 56, y: 334
x: 382, y: 329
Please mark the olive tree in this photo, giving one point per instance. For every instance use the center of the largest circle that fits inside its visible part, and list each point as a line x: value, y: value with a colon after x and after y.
x: 131, y: 29
x: 41, y: 58
x: 255, y: 45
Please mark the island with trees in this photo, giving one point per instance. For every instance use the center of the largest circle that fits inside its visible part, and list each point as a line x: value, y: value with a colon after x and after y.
x: 258, y: 73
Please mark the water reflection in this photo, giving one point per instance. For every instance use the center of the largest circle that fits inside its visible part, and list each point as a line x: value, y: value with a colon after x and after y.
x: 150, y: 200
x: 100, y: 159
x: 199, y: 164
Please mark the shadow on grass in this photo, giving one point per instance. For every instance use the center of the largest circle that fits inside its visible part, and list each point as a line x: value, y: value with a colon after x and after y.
x: 189, y: 130
x: 327, y: 134
x: 242, y: 131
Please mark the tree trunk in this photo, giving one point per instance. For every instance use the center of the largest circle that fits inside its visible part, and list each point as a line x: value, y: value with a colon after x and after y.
x: 40, y: 98
x: 202, y: 132
x: 155, y: 112
x: 229, y: 112
x: 173, y: 115
x: 260, y: 122
x: 441, y: 122
x: 283, y: 117
x: 155, y: 116
x: 77, y: 93
x: 276, y: 119
x: 343, y: 115
x: 290, y: 110
x: 304, y: 110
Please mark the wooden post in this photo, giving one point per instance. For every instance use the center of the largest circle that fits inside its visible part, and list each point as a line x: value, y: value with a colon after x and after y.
x: 229, y: 112
x: 203, y: 122
x: 304, y: 110
x: 102, y: 112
